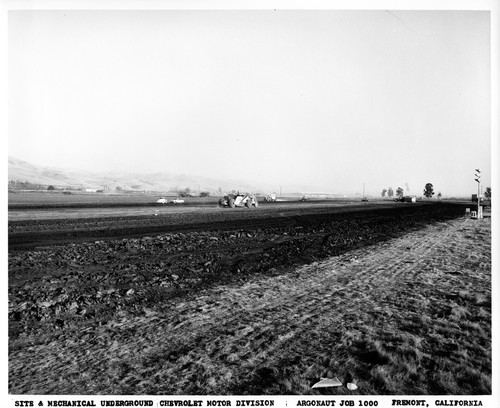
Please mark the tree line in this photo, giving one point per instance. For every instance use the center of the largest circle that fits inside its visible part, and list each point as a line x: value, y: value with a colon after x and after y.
x: 428, y: 192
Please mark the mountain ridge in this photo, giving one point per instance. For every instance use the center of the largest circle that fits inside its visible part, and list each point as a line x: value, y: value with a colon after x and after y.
x: 23, y: 171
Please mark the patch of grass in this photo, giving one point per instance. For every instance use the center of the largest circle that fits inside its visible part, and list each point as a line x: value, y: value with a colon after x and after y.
x: 382, y: 381
x: 459, y: 313
x: 473, y: 382
x: 443, y: 382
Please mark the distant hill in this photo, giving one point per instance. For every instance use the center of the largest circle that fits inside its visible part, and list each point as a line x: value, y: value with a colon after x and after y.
x: 22, y: 171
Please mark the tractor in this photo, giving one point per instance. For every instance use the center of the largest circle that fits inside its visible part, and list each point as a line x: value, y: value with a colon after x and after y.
x: 238, y: 200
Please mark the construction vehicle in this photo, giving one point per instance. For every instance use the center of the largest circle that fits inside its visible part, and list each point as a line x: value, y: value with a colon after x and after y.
x: 271, y: 197
x: 406, y: 199
x: 238, y: 200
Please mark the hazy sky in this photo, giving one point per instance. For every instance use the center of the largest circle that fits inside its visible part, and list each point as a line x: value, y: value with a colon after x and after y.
x: 327, y: 98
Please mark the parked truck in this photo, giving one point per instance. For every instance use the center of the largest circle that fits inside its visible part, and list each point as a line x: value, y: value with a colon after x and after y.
x: 271, y: 197
x: 406, y: 199
x: 474, y: 198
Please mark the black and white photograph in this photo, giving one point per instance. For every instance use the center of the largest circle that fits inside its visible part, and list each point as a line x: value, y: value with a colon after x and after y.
x: 282, y: 204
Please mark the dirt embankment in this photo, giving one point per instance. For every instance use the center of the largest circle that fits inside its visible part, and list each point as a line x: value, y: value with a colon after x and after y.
x: 59, y: 229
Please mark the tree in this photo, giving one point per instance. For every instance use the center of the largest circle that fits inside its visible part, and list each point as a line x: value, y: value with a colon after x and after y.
x: 399, y: 192
x: 383, y: 192
x: 205, y: 194
x: 429, y: 190
x: 390, y: 192
x: 439, y: 195
x: 51, y: 188
x: 185, y: 193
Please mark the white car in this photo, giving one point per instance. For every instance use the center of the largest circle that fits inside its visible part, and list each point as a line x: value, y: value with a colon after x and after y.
x: 162, y: 200
x: 177, y: 201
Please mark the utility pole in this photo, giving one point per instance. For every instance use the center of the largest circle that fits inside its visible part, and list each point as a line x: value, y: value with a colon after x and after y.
x: 478, y: 180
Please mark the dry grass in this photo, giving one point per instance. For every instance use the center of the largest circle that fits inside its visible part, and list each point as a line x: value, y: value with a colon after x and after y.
x: 407, y: 316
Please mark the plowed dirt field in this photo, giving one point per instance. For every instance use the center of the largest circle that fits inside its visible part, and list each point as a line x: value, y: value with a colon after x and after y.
x: 396, y: 300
